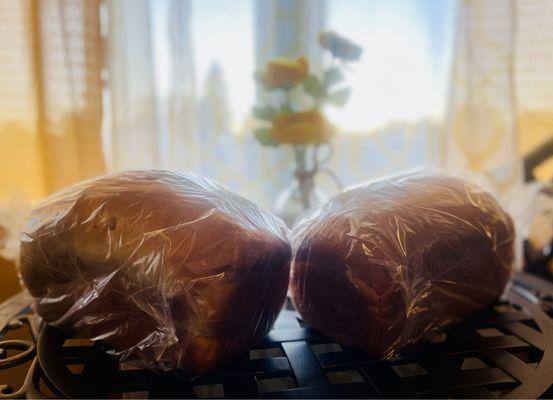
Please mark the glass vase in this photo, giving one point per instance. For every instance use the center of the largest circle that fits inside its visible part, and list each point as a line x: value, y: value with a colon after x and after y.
x: 303, y: 194
x: 298, y: 198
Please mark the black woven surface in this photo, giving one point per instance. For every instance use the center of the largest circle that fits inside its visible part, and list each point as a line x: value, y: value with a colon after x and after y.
x: 506, y: 351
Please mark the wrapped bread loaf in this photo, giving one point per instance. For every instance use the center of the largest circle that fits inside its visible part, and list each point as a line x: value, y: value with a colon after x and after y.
x: 387, y: 264
x: 169, y: 269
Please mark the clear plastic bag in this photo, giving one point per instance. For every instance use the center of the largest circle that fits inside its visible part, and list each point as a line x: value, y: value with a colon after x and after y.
x: 389, y: 263
x: 171, y: 270
x: 532, y: 208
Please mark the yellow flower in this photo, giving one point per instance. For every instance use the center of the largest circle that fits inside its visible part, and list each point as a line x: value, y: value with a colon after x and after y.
x: 307, y: 127
x: 283, y: 73
x: 340, y: 47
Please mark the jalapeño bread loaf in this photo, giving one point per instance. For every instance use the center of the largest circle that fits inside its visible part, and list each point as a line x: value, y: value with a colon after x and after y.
x: 168, y: 269
x: 387, y: 264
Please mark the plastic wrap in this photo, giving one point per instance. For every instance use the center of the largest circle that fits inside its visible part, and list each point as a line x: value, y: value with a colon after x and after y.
x: 532, y: 209
x: 392, y: 262
x: 171, y: 270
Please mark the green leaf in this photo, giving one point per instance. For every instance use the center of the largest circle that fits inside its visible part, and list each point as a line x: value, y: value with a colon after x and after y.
x: 333, y: 76
x: 313, y: 87
x: 263, y: 136
x: 264, y: 112
x: 339, y: 98
x: 288, y: 86
x: 286, y: 109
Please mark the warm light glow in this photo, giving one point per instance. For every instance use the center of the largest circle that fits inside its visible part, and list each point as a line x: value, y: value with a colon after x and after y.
x: 222, y: 34
x: 402, y: 74
x: 405, y: 66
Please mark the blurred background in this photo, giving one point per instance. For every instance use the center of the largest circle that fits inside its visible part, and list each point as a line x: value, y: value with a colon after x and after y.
x: 89, y: 87
x: 94, y: 86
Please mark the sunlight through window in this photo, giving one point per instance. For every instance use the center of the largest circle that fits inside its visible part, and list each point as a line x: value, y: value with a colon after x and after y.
x: 404, y: 69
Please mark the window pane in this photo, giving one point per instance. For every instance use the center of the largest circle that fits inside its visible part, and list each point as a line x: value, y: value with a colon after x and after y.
x: 405, y: 66
x: 222, y: 33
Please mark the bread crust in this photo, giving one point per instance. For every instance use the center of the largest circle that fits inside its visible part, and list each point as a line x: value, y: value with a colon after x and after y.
x: 168, y: 268
x: 390, y: 263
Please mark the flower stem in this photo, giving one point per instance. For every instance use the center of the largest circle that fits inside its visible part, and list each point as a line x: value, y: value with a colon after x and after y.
x: 302, y: 175
x: 287, y: 99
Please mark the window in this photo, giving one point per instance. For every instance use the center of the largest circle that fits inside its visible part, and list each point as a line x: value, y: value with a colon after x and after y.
x: 404, y: 70
x: 221, y: 47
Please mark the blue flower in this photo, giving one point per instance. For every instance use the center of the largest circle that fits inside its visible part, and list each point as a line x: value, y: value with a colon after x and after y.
x: 340, y: 47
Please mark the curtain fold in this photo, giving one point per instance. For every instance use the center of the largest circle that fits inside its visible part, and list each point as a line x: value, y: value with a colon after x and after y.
x: 482, y: 129
x: 181, y: 146
x: 166, y: 114
x: 51, y: 95
x: 171, y: 81
x: 289, y: 29
x: 68, y: 61
x: 501, y: 104
x: 533, y: 78
x: 134, y: 135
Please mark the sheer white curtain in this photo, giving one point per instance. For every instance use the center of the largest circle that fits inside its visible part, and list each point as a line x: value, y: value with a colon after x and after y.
x: 394, y: 119
x: 502, y: 88
x: 181, y: 85
x: 482, y: 125
x: 151, y: 100
x: 131, y: 86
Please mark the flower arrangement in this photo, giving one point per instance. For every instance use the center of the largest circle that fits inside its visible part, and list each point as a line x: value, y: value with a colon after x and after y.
x: 309, y: 126
x: 291, y: 105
